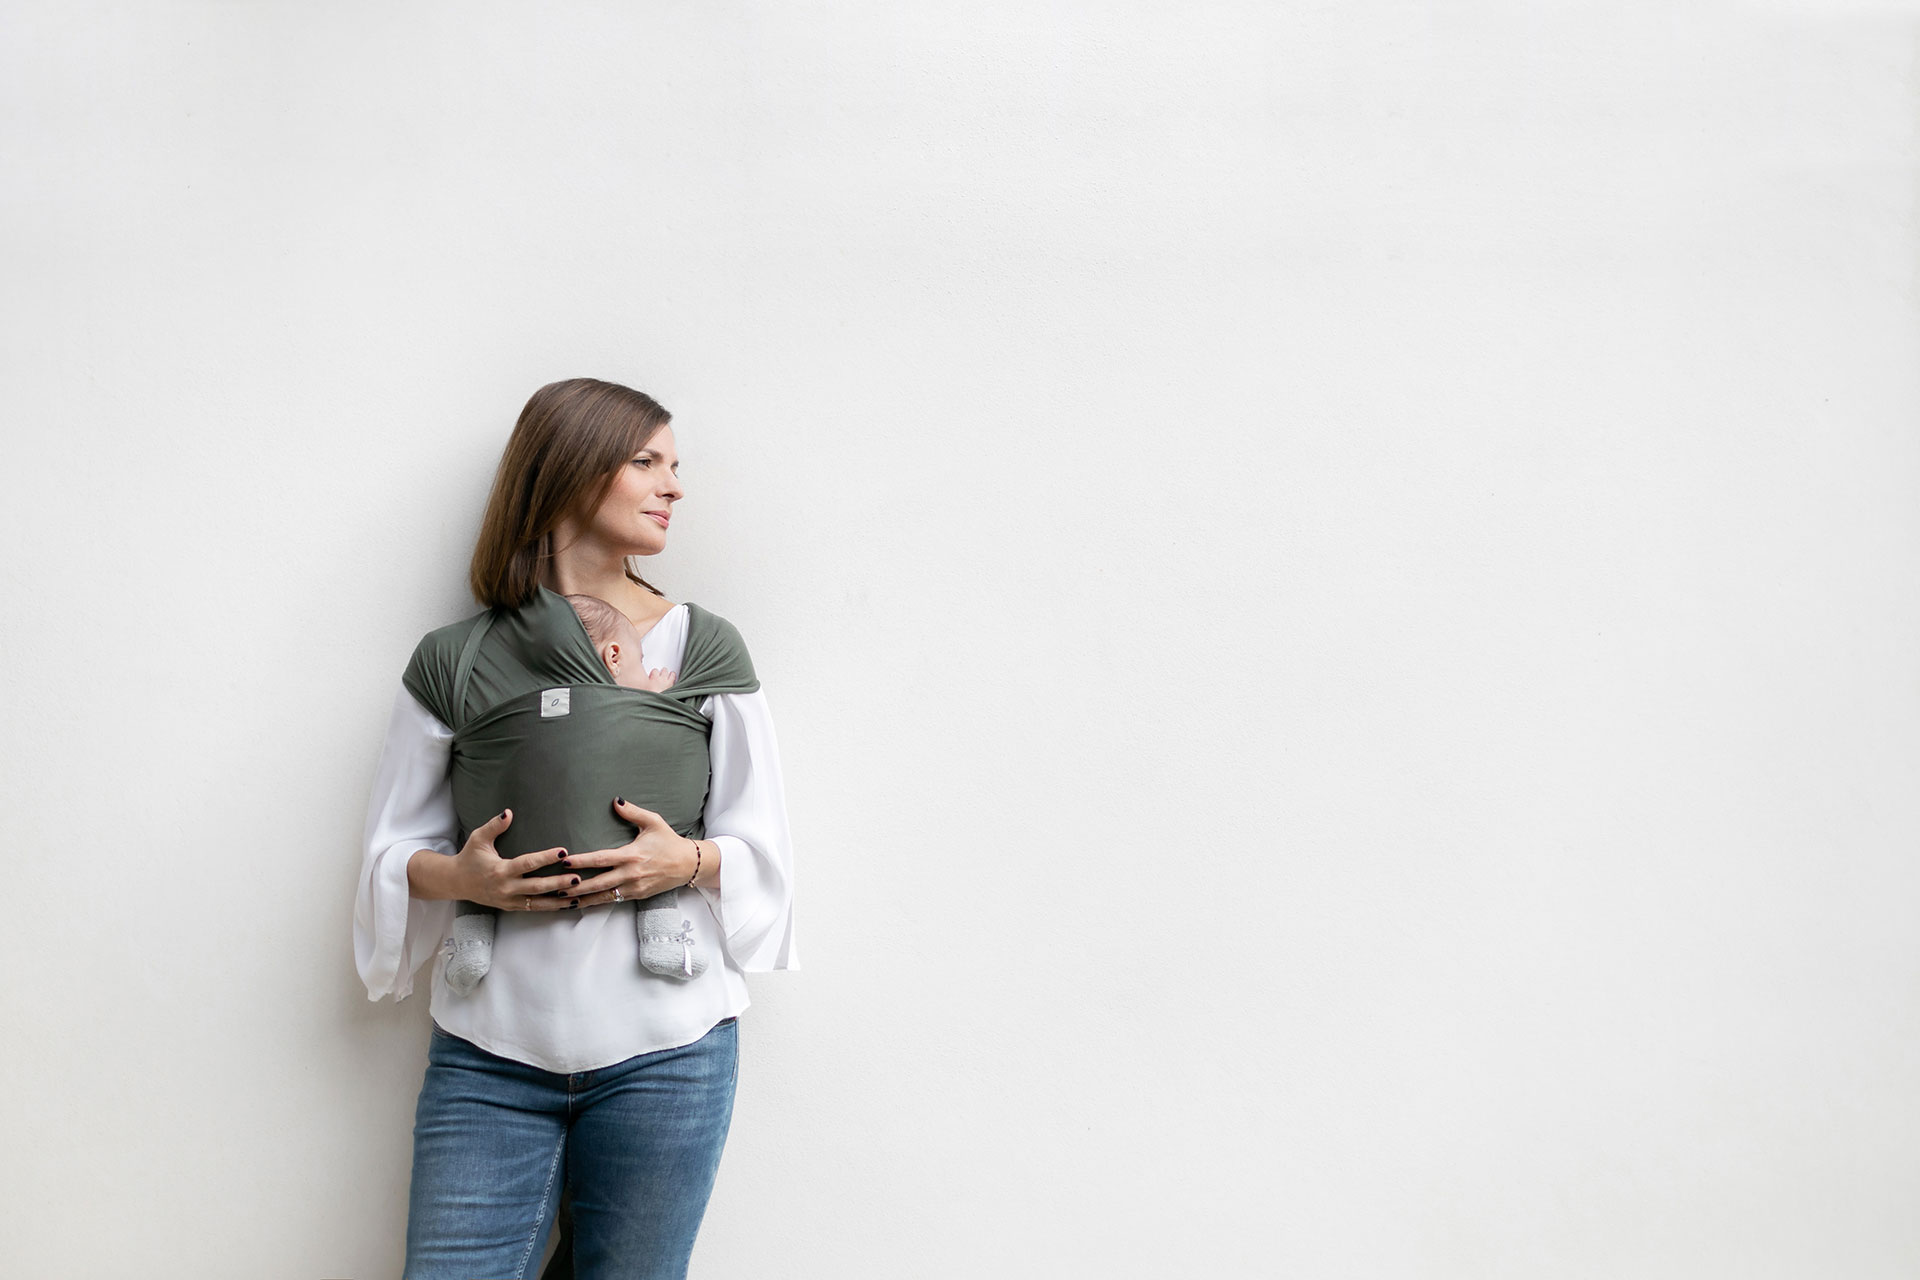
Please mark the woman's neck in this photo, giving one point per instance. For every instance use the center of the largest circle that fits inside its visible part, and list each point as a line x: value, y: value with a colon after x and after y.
x: 581, y: 575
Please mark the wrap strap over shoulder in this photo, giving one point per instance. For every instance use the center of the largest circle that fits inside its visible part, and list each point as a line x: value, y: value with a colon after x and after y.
x: 464, y: 668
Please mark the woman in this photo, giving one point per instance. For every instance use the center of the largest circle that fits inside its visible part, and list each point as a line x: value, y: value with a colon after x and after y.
x: 571, y: 1069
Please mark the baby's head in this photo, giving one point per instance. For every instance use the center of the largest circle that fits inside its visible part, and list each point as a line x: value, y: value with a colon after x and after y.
x: 614, y: 637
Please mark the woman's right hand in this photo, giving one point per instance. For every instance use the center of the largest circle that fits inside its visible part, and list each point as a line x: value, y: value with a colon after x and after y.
x: 479, y: 874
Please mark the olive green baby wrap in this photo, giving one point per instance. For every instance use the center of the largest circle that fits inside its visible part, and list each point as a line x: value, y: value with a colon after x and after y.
x: 540, y: 726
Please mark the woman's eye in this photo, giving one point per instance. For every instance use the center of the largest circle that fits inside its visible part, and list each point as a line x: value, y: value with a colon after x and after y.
x: 644, y: 462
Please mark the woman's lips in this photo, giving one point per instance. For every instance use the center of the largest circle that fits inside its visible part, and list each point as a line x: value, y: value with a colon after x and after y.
x: 658, y: 516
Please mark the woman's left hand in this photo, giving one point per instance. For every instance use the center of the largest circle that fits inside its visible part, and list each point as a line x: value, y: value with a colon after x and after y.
x: 658, y: 858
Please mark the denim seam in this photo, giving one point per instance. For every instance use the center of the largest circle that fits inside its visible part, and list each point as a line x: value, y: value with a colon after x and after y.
x: 540, y: 1215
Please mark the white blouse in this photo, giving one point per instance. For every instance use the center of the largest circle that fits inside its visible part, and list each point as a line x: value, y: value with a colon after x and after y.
x: 566, y: 991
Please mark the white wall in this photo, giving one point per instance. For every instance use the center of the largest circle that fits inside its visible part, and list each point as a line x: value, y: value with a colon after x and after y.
x: 1338, y: 584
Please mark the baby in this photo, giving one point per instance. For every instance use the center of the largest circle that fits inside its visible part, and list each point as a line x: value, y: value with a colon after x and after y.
x: 665, y: 937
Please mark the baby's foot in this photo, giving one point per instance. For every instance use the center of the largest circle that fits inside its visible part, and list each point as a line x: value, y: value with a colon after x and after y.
x: 470, y: 951
x: 666, y: 938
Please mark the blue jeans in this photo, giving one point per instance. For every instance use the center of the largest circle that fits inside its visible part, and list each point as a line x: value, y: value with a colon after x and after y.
x: 635, y: 1145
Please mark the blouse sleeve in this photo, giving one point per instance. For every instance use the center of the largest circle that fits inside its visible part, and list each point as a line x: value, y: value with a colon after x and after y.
x: 746, y: 815
x: 411, y: 807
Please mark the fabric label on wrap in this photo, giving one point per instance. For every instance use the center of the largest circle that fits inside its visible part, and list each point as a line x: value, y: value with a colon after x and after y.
x: 555, y: 702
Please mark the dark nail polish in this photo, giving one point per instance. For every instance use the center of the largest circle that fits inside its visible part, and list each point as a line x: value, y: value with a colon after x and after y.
x: 576, y: 879
x: 566, y: 864
x: 618, y: 800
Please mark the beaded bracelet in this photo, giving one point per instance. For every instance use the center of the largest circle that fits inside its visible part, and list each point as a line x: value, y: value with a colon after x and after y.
x: 696, y: 861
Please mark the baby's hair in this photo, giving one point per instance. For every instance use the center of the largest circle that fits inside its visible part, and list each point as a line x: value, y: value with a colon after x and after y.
x: 601, y: 619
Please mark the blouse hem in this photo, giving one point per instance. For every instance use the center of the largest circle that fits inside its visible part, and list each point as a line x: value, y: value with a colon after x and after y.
x: 518, y: 1053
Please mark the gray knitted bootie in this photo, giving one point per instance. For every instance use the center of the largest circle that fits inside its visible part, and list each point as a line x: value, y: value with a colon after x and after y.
x: 469, y: 950
x: 666, y: 937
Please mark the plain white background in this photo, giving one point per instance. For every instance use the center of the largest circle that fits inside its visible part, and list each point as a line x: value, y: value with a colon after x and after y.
x: 1337, y: 582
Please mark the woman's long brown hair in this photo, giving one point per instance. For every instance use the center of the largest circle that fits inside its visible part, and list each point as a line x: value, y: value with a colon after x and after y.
x: 563, y: 457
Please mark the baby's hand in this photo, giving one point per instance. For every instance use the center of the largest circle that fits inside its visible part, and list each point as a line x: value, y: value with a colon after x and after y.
x: 657, y: 680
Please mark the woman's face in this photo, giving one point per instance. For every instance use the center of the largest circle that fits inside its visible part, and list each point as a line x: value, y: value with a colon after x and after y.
x: 633, y: 518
